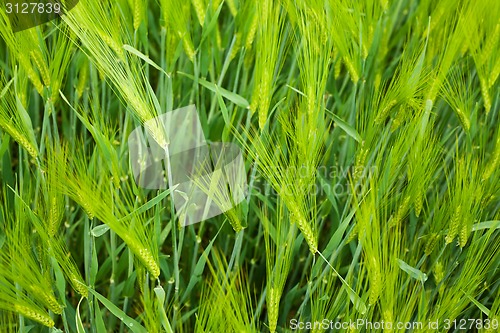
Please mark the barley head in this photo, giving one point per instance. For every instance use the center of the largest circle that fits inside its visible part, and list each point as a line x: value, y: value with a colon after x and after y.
x: 375, y: 280
x: 431, y: 243
x: 454, y: 225
x: 201, y: 10
x: 273, y: 302
x: 34, y: 313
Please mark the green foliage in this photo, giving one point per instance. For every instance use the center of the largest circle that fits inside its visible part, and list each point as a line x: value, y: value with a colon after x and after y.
x: 370, y: 131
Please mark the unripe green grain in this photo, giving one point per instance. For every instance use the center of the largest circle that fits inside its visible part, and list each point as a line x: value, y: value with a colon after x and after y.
x: 375, y: 280
x: 431, y: 243
x: 351, y: 69
x: 486, y: 95
x: 463, y: 119
x: 143, y: 254
x: 37, y: 57
x: 35, y: 314
x: 32, y: 75
x: 232, y: 7
x: 454, y: 225
x: 21, y: 139
x: 418, y: 203
x: 385, y: 111
x: 493, y: 162
x: 306, y: 230
x: 138, y: 13
x: 200, y: 9
x: 464, y: 234
x: 47, y: 297
x: 78, y: 284
x: 273, y: 301
x: 252, y: 30
x: 401, y: 212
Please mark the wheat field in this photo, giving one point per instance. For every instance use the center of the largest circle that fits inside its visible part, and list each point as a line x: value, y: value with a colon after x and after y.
x: 364, y: 143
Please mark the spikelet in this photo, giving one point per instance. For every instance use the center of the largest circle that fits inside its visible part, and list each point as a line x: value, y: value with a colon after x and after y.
x: 304, y: 227
x: 200, y: 9
x: 486, y: 95
x: 351, y: 69
x: 431, y: 243
x: 401, y: 212
x: 490, y: 45
x: 188, y: 46
x: 495, y: 71
x: 353, y: 235
x: 48, y: 298
x: 493, y: 163
x: 311, y: 99
x: 438, y: 272
x: 439, y: 275
x: 82, y: 79
x: 144, y: 255
x: 252, y: 30
x: 111, y: 42
x: 463, y: 119
x: 398, y: 119
x: 234, y: 220
x: 78, y: 284
x: 364, y: 51
x: 87, y: 207
x: 418, y: 203
x: 138, y: 13
x: 254, y: 105
x: 37, y: 56
x: 264, y: 95
x: 383, y: 114
x: 236, y: 46
x: 232, y: 7
x: 375, y: 280
x: 216, y: 4
x: 464, y: 234
x: 388, y: 318
x: 21, y: 139
x: 338, y: 64
x: 454, y: 225
x: 273, y: 302
x: 360, y: 162
x: 34, y: 313
x: 55, y: 214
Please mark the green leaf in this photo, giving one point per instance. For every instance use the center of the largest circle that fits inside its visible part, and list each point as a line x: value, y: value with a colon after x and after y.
x: 233, y: 97
x: 79, y: 324
x: 495, y: 224
x: 481, y: 307
x: 412, y: 271
x: 198, y: 269
x: 99, y: 230
x: 150, y: 204
x: 351, y: 131
x: 160, y: 295
x: 144, y: 57
x: 101, y: 328
x: 208, y: 28
x: 132, y: 325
